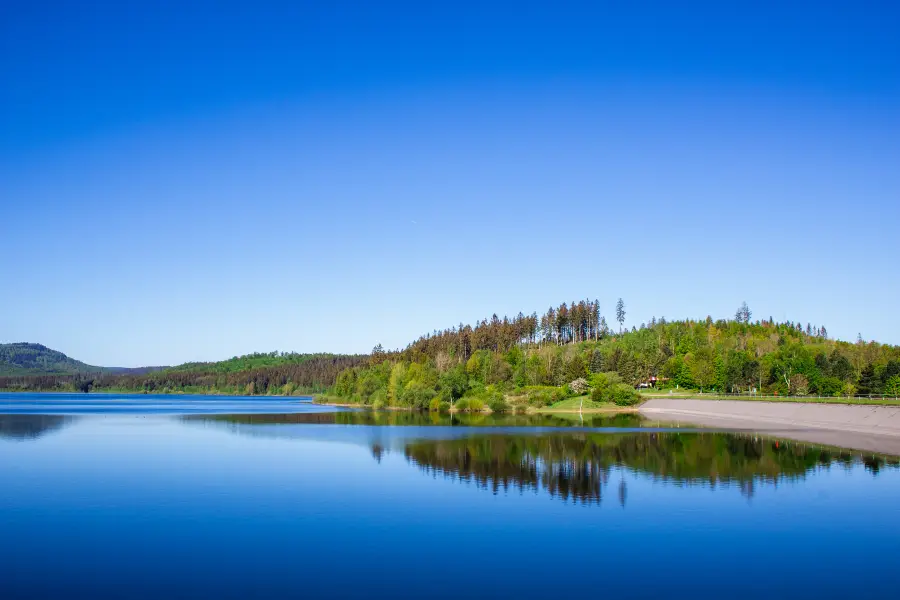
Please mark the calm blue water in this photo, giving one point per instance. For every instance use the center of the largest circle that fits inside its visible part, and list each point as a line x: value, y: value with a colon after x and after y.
x: 173, y: 501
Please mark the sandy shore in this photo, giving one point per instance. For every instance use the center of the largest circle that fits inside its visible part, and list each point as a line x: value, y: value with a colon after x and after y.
x: 872, y: 428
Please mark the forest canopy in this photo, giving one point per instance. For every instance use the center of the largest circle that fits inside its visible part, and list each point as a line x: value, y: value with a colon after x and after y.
x: 571, y: 350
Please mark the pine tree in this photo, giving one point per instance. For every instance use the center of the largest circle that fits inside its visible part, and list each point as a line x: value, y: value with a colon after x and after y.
x: 620, y: 313
x: 869, y: 383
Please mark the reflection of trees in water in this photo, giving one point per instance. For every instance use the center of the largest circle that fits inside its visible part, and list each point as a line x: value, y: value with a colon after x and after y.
x: 30, y: 427
x: 396, y: 417
x: 578, y: 465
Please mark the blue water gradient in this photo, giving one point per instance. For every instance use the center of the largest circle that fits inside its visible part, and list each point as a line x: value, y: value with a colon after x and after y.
x: 185, y: 506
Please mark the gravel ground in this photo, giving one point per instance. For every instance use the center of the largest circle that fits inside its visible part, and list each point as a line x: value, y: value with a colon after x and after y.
x: 871, y: 428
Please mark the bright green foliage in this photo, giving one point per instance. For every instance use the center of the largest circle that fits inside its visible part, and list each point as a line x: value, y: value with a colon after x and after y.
x: 624, y: 395
x: 608, y: 387
x: 532, y: 360
x: 892, y: 387
x: 498, y: 405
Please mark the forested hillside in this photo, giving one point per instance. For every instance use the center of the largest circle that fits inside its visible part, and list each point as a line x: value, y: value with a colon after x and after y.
x: 571, y: 350
x: 253, y: 374
x: 24, y: 358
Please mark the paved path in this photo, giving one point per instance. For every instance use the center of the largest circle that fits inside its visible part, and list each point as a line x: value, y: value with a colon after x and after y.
x: 873, y: 428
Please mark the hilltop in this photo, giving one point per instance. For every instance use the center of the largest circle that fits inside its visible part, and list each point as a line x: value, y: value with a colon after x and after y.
x: 25, y: 358
x: 570, y: 351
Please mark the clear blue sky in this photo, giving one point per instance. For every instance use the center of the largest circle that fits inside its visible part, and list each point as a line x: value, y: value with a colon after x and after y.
x: 194, y: 183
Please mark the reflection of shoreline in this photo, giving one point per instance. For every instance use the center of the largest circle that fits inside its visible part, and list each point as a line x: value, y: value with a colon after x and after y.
x: 23, y: 427
x: 412, y: 418
x: 392, y: 430
x: 544, y: 453
x: 579, y: 466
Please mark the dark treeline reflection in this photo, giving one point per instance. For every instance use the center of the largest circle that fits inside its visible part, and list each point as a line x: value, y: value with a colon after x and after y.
x: 578, y: 466
x: 29, y: 427
x: 411, y: 418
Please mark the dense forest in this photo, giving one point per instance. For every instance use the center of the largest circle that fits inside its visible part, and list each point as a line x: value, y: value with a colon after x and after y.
x: 23, y: 358
x: 254, y: 374
x: 538, y: 360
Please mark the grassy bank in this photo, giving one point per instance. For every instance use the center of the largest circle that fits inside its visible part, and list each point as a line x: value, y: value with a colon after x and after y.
x: 582, y: 404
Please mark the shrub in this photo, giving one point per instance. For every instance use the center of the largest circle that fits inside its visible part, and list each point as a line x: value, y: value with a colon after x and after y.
x: 830, y: 386
x: 476, y: 405
x: 892, y: 386
x: 498, y: 405
x: 379, y: 397
x: 444, y: 406
x: 604, y: 384
x: 378, y: 404
x: 579, y: 386
x: 462, y: 405
x: 417, y: 397
x: 624, y: 395
x: 435, y: 404
x: 539, y: 395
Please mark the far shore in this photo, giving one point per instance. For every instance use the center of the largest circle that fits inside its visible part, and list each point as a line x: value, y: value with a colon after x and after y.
x: 529, y: 411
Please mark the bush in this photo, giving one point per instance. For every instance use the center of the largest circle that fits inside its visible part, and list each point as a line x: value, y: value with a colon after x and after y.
x: 435, y: 404
x: 604, y: 384
x: 892, y: 386
x: 444, y: 406
x: 476, y: 405
x: 539, y: 395
x: 498, y: 405
x: 830, y: 386
x: 579, y: 386
x: 469, y: 405
x: 378, y: 404
x: 417, y: 397
x: 624, y: 395
x: 379, y: 397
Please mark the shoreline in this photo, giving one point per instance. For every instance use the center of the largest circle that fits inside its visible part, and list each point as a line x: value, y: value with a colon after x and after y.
x: 861, y: 427
x: 529, y: 411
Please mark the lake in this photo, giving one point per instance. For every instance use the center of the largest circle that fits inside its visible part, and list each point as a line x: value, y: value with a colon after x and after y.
x: 190, y: 497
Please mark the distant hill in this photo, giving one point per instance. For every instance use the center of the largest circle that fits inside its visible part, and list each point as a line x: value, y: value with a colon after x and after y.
x: 33, y: 367
x: 24, y: 358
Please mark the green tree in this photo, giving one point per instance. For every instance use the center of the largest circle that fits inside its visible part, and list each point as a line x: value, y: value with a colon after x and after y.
x: 869, y: 382
x: 620, y: 313
x: 576, y: 368
x: 892, y: 387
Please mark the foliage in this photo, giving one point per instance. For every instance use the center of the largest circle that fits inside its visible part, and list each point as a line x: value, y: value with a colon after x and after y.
x: 277, y: 374
x: 498, y: 405
x: 36, y: 359
x: 892, y: 387
x: 541, y: 360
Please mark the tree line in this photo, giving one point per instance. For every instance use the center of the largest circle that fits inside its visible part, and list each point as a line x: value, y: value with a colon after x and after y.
x: 570, y: 350
x: 254, y: 374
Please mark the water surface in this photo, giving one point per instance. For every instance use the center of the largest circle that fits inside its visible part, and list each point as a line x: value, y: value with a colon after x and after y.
x: 180, y: 502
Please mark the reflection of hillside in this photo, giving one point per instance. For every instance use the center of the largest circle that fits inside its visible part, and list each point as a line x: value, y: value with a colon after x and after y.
x: 29, y: 427
x: 578, y: 465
